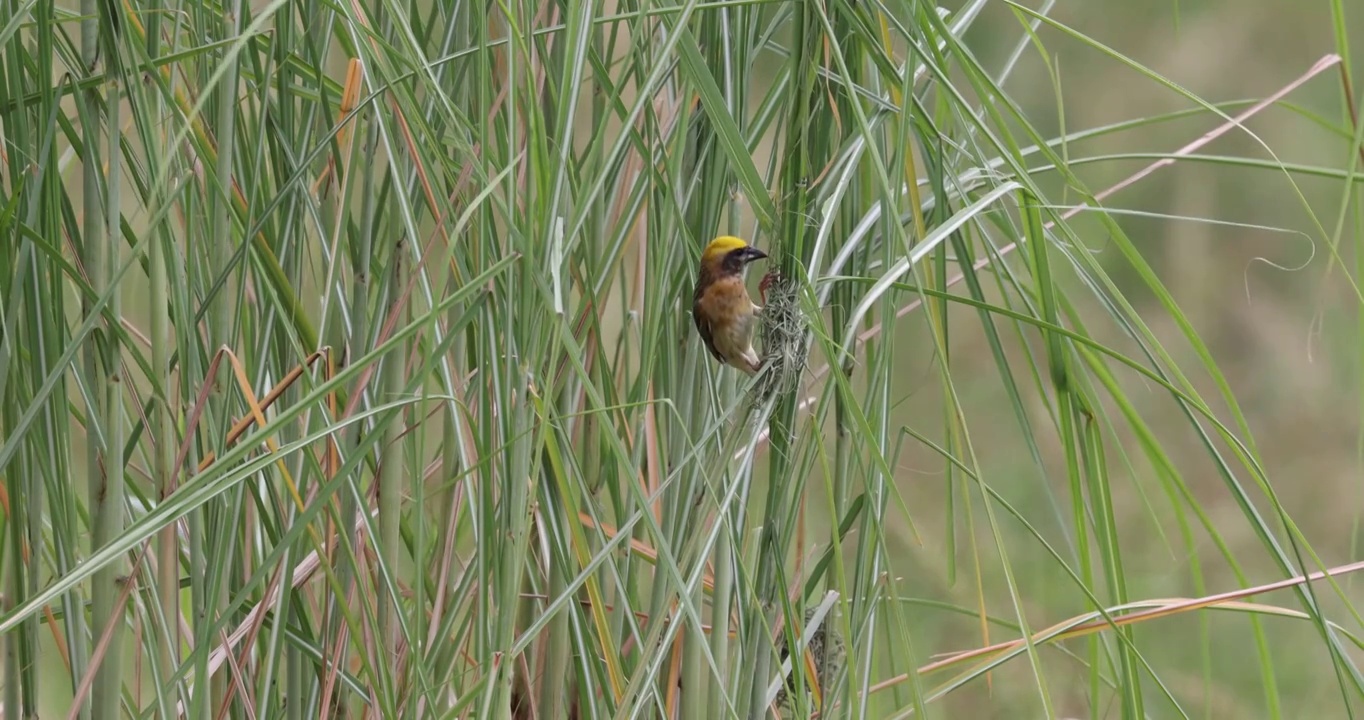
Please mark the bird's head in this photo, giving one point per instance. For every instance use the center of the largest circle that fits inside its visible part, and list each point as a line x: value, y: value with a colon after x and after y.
x: 728, y: 254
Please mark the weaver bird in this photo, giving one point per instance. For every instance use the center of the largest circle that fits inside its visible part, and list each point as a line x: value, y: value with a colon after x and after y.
x: 724, y: 314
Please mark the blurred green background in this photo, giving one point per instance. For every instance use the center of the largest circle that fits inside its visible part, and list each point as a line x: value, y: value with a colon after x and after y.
x: 1236, y: 249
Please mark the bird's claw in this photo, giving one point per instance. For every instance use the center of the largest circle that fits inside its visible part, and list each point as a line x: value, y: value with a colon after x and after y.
x: 767, y: 281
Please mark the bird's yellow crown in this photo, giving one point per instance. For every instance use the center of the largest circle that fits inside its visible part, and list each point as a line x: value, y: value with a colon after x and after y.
x: 721, y: 246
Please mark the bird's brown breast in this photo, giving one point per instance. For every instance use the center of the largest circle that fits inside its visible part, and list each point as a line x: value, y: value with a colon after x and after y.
x: 724, y: 301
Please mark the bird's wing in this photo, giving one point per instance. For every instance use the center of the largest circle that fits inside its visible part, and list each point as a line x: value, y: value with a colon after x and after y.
x: 703, y: 327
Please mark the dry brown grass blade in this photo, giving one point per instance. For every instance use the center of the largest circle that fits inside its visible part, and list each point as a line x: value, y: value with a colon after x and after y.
x: 639, y: 547
x: 97, y: 657
x: 257, y: 415
x: 254, y: 619
x: 241, y: 425
x: 350, y: 95
x: 670, y: 703
x: 1162, y: 608
x: 652, y: 460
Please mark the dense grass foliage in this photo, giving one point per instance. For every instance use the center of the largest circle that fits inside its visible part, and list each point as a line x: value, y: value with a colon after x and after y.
x: 346, y: 369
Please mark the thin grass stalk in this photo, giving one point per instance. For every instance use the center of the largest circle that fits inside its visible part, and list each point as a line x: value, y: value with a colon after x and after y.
x: 391, y: 472
x: 835, y: 120
x: 12, y: 561
x: 722, y: 598
x: 870, y: 559
x: 566, y: 682
x: 219, y: 515
x: 102, y: 244
x: 638, y: 579
x: 604, y: 469
x: 709, y: 180
x: 29, y: 650
x: 1100, y: 493
x: 340, y: 338
x: 842, y: 300
x: 163, y: 416
x: 26, y: 271
x: 360, y: 335
x: 19, y: 133
x: 16, y: 703
x: 168, y: 542
x: 488, y: 439
x: 694, y: 703
x: 414, y: 659
x: 296, y: 129
x: 111, y: 524
x: 482, y: 353
x: 511, y: 389
x: 936, y: 308
x: 455, y: 449
x: 426, y: 554
x: 597, y: 466
x: 631, y: 569
x: 449, y: 499
x: 63, y: 506
x: 389, y: 478
x: 797, y: 173
x: 93, y: 257
x: 914, y: 122
x: 294, y: 678
x: 554, y: 662
x: 66, y: 528
x: 554, y: 702
x: 730, y: 48
x: 20, y: 695
x: 672, y: 508
x: 278, y: 658
x: 511, y: 575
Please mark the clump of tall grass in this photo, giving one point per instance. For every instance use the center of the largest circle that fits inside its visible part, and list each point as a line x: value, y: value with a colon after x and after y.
x: 362, y: 328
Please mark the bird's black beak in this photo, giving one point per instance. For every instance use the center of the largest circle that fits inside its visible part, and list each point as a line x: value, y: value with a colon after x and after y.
x: 752, y: 253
